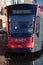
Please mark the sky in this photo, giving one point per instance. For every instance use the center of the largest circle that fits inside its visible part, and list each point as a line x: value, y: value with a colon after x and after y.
x: 40, y: 2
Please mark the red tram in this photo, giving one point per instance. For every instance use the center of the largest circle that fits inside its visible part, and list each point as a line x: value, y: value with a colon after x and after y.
x: 23, y: 28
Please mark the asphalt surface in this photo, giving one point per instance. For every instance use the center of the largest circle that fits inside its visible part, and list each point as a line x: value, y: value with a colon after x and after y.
x: 27, y: 59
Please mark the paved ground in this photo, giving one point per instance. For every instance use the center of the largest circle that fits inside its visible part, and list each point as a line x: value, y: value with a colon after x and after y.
x: 26, y: 60
x: 23, y: 60
x: 2, y: 60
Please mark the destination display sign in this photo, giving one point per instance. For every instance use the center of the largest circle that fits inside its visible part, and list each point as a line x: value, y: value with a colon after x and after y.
x: 21, y: 11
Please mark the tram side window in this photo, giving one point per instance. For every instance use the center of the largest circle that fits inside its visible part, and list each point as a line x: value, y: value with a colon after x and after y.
x: 37, y: 25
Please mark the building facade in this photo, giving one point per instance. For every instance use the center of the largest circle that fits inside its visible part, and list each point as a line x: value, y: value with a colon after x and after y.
x: 22, y: 1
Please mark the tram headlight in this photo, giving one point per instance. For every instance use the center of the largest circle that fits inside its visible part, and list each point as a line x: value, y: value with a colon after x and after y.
x: 15, y: 27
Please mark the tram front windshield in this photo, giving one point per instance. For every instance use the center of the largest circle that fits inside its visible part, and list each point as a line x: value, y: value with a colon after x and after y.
x: 21, y: 25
